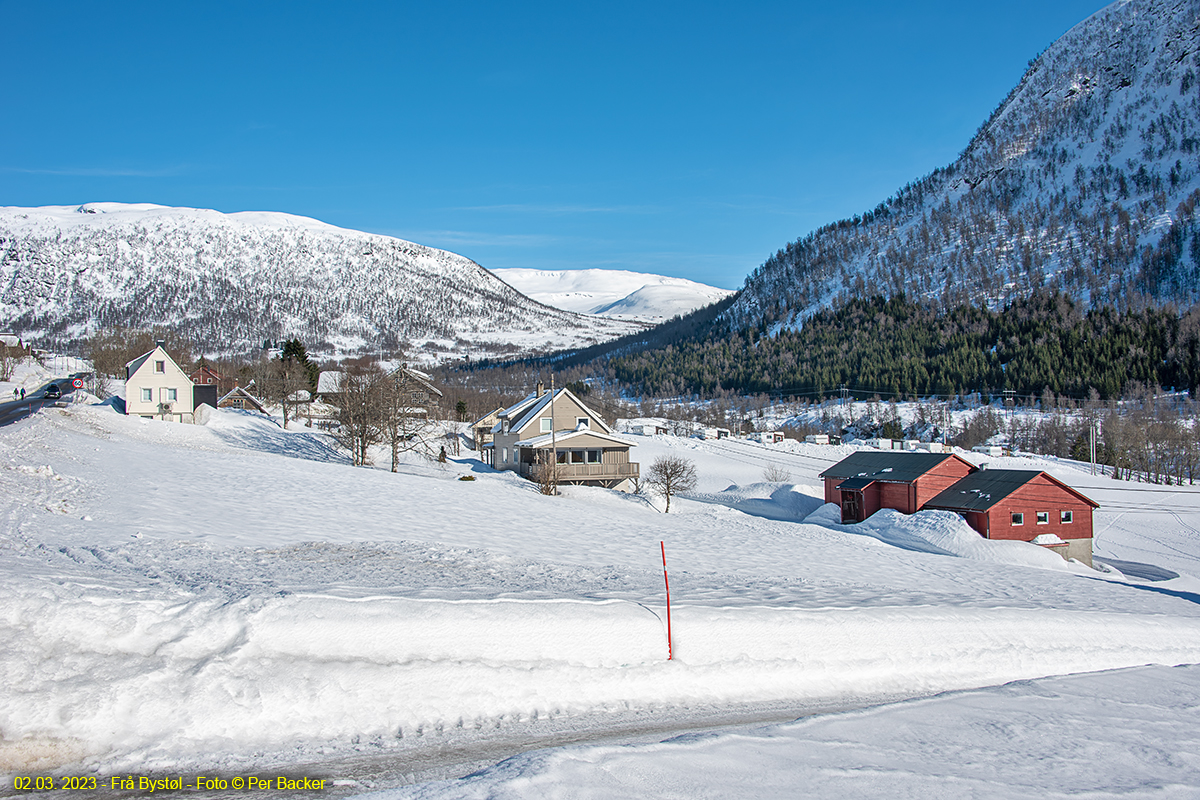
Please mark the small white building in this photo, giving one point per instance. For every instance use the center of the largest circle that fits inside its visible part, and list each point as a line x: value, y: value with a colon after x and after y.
x: 992, y: 450
x: 882, y: 444
x: 817, y: 438
x: 155, y: 387
x: 649, y: 429
x: 932, y: 447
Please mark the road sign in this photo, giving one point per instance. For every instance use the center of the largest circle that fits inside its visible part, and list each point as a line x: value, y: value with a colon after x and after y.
x: 77, y: 383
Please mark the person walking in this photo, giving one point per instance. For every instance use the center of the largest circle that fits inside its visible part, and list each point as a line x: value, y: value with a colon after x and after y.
x: 22, y: 393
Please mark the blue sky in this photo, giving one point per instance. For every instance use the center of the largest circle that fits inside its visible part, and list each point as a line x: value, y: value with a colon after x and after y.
x: 690, y: 139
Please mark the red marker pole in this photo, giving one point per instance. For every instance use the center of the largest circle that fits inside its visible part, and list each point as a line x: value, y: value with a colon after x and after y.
x: 667, y: 583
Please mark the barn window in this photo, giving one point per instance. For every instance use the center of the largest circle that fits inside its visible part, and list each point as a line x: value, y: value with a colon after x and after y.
x: 1066, y: 517
x: 1018, y: 518
x: 1043, y: 518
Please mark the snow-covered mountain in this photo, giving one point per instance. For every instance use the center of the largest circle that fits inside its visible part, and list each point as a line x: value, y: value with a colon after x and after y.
x: 1085, y: 179
x: 229, y: 281
x: 613, y: 293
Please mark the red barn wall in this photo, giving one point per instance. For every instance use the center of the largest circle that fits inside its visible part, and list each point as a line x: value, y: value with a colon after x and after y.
x: 1040, y: 494
x: 871, y: 499
x: 938, y: 479
x: 898, y: 496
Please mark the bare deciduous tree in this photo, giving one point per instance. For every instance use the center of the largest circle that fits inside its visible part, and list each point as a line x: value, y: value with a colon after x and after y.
x: 9, y: 358
x: 285, y: 382
x: 546, y: 473
x: 405, y: 421
x: 776, y: 473
x: 359, y: 415
x: 670, y: 475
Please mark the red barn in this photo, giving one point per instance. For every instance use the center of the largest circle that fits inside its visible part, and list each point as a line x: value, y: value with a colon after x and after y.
x: 1026, y: 505
x: 869, y: 480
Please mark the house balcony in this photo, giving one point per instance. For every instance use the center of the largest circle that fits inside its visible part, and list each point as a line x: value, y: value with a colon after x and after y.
x: 585, y: 472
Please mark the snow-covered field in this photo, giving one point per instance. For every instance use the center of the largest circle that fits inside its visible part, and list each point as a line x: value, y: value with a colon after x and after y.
x: 234, y: 597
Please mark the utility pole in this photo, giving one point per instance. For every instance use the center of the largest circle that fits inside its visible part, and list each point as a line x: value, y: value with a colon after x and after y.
x: 553, y: 436
x: 1093, y: 445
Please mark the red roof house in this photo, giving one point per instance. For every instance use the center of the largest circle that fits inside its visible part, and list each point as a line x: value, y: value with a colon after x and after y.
x: 869, y: 480
x: 1025, y: 505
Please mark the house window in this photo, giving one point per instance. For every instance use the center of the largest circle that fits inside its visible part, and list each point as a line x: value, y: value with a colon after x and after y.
x: 562, y: 457
x: 1018, y: 519
x: 547, y: 424
x: 582, y: 422
x: 172, y: 394
x: 593, y: 456
x: 506, y: 455
x: 577, y: 456
x: 1066, y: 517
x: 160, y: 366
x: 1043, y: 518
x: 147, y: 395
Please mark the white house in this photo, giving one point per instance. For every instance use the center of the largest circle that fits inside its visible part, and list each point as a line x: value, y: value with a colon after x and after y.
x: 155, y: 387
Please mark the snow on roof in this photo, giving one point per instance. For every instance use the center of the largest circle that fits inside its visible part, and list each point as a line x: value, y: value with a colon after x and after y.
x: 329, y: 382
x: 562, y: 436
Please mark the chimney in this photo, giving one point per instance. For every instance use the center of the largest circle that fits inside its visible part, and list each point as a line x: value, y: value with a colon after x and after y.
x: 162, y: 343
x: 541, y: 389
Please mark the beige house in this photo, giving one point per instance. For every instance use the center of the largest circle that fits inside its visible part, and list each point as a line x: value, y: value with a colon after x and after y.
x: 155, y: 387
x: 481, y: 432
x: 537, y: 431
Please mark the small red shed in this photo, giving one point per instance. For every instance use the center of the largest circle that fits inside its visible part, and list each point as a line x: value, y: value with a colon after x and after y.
x: 1026, y: 505
x: 869, y: 480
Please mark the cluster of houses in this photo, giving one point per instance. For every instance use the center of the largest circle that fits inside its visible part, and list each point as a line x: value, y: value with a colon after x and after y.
x: 157, y: 388
x: 557, y: 428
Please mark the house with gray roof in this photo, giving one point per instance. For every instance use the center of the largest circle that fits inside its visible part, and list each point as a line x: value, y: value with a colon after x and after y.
x: 557, y: 428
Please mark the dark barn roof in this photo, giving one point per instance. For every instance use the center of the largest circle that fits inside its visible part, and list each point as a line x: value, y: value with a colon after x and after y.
x: 981, y: 490
x: 894, y: 466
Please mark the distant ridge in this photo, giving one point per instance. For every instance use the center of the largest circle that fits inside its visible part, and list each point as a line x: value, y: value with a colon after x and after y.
x: 229, y: 281
x: 613, y: 293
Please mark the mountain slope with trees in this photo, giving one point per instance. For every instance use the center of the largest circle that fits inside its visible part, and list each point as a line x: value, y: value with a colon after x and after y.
x: 1084, y: 180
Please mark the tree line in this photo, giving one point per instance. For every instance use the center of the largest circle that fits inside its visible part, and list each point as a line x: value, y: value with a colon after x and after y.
x: 897, y: 348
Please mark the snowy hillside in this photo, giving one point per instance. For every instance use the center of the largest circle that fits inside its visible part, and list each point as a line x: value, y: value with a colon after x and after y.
x: 613, y: 293
x: 233, y: 597
x: 229, y: 281
x: 1082, y: 180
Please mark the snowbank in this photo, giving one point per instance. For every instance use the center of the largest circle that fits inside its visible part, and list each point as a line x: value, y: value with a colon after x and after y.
x: 1111, y: 734
x: 942, y: 533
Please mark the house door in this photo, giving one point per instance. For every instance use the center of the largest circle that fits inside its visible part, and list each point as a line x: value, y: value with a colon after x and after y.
x: 851, y: 503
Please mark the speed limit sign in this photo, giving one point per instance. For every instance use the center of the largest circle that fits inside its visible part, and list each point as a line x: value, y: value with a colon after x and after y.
x: 77, y: 383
